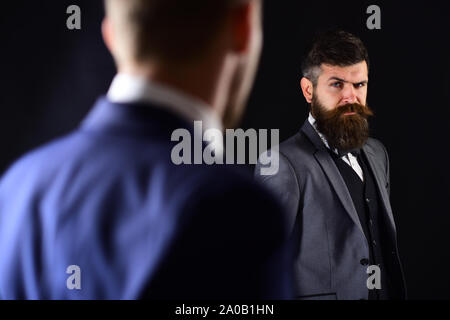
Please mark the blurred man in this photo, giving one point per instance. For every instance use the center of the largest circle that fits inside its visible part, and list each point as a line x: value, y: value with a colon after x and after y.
x: 334, y: 180
x: 103, y: 213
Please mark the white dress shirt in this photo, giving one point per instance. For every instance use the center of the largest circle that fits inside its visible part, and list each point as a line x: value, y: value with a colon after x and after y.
x: 349, y: 158
x: 126, y: 88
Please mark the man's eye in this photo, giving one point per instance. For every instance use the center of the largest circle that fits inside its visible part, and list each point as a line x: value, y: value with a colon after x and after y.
x: 336, y: 84
x: 360, y: 85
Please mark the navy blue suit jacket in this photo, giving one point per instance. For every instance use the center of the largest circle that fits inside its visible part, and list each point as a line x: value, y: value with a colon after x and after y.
x: 108, y: 199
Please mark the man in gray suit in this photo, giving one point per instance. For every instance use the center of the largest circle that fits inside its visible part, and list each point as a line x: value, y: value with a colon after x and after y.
x: 334, y: 180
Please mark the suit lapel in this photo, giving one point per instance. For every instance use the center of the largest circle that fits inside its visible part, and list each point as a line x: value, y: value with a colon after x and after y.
x: 332, y: 172
x: 335, y: 178
x: 377, y: 171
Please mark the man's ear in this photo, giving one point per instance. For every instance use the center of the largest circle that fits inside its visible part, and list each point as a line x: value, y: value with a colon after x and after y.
x: 107, y: 34
x: 307, y: 89
x: 241, y: 26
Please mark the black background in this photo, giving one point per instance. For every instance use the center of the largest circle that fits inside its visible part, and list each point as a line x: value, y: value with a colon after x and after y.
x: 51, y: 76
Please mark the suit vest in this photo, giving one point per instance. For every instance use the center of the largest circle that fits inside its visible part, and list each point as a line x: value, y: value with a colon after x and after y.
x: 372, y: 218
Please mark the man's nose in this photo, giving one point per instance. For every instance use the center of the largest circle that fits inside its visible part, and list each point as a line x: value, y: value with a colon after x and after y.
x: 349, y: 95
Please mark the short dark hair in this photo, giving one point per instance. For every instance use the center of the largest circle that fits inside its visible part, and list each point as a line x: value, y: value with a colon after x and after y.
x: 168, y: 29
x: 336, y: 48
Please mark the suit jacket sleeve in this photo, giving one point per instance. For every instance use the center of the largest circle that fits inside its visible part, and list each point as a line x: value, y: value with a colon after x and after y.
x: 285, y: 186
x: 388, y: 177
x: 383, y: 157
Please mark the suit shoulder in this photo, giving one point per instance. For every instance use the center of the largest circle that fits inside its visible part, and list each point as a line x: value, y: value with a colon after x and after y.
x: 296, y: 143
x: 295, y: 151
x: 376, y: 145
x: 38, y: 160
x: 295, y: 154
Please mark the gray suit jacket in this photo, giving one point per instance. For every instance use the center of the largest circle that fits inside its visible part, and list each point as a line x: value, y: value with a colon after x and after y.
x: 323, y: 220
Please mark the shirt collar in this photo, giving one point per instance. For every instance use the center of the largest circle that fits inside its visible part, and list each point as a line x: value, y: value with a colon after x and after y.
x: 313, y: 123
x: 126, y: 88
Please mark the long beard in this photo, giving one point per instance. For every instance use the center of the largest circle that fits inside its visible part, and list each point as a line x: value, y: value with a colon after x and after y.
x: 343, y: 132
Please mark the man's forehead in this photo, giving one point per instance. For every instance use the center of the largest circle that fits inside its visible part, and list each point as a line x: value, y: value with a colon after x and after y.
x: 355, y: 72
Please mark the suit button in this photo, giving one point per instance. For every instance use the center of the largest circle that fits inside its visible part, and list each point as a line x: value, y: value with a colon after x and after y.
x: 367, y: 200
x: 371, y: 222
x: 374, y: 242
x: 364, y: 261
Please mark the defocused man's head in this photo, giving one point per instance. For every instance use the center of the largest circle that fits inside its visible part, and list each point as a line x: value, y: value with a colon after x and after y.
x: 335, y: 79
x: 208, y: 48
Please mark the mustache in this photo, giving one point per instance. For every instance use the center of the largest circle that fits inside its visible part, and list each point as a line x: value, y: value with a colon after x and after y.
x: 360, y: 110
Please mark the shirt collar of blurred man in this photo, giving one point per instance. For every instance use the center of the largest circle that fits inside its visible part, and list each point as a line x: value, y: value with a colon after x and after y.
x: 127, y: 88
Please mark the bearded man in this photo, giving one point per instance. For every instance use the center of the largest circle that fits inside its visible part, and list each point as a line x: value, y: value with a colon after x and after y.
x: 334, y: 180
